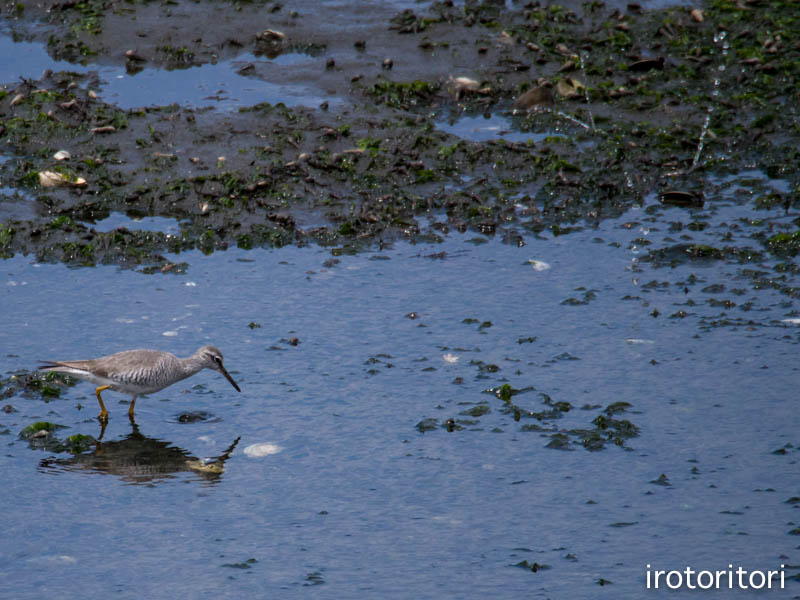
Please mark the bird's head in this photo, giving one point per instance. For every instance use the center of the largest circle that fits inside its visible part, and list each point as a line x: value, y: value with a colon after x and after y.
x: 212, y: 359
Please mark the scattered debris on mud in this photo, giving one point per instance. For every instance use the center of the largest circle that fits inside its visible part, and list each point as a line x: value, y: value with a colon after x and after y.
x: 629, y: 109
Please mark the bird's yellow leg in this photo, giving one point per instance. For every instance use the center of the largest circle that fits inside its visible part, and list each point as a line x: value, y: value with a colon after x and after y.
x: 130, y: 409
x: 103, y: 416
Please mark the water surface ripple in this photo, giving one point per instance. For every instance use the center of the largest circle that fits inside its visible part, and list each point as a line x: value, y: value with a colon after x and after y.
x: 338, y: 363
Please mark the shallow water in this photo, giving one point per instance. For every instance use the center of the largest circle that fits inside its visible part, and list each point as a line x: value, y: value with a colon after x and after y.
x: 350, y: 493
x: 116, y: 220
x: 213, y: 85
x: 218, y: 85
x: 491, y: 127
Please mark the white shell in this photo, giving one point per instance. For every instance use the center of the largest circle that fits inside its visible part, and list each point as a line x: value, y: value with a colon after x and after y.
x: 538, y: 265
x: 262, y: 449
x: 272, y: 34
x: 53, y: 179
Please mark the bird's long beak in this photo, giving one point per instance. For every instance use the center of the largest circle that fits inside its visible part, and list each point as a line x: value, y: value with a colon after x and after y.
x: 229, y: 378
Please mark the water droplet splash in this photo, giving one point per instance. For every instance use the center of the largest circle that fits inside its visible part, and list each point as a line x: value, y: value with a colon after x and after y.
x: 720, y: 41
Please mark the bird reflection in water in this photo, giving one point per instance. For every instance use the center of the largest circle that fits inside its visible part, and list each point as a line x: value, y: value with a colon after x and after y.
x: 138, y: 459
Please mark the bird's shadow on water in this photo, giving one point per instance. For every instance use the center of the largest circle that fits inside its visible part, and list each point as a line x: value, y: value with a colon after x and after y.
x: 138, y: 459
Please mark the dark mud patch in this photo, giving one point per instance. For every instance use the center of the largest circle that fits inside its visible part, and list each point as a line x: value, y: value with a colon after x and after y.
x: 36, y: 384
x: 603, y: 430
x: 642, y: 103
x: 562, y: 424
x: 197, y: 416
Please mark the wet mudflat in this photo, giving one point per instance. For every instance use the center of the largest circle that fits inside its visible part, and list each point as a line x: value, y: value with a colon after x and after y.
x: 483, y: 352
